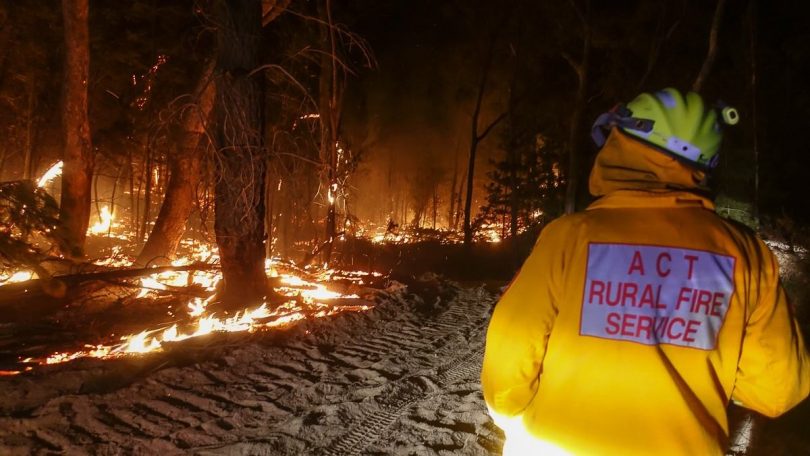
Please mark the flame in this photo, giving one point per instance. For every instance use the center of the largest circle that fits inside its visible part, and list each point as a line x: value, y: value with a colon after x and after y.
x: 51, y: 174
x: 17, y: 277
x: 105, y: 222
x: 306, y: 301
x: 309, y: 290
x: 249, y: 320
x: 307, y: 297
x: 491, y: 233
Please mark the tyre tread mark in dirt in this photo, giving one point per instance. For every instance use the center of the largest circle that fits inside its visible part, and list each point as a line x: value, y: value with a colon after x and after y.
x: 409, y: 345
x: 394, y: 404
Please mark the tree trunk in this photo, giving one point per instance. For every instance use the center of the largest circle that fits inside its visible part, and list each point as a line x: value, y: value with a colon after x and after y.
x: 453, y: 183
x: 513, y: 182
x: 752, y: 17
x: 581, y: 69
x: 458, y: 212
x: 147, y: 194
x: 184, y: 175
x: 74, y: 211
x: 239, y: 189
x: 28, y: 172
x: 435, y: 203
x: 476, y: 138
x: 329, y: 106
x: 711, y: 53
x: 470, y: 175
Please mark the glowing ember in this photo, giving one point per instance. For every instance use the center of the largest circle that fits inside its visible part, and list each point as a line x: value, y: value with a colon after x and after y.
x: 16, y: 277
x: 116, y: 259
x: 51, y: 174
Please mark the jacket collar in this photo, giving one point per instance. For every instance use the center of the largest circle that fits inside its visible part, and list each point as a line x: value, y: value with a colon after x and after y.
x: 652, y: 199
x: 630, y: 173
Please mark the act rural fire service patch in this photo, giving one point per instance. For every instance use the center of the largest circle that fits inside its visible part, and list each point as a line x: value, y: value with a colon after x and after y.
x: 656, y: 295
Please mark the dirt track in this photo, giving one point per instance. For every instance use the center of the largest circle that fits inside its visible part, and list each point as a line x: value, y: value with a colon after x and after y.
x: 400, y: 379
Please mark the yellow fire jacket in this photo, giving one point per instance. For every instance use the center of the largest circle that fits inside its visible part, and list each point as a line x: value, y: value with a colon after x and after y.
x: 632, y: 324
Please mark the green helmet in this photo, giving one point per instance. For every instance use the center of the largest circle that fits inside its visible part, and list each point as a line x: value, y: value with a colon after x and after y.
x: 681, y: 126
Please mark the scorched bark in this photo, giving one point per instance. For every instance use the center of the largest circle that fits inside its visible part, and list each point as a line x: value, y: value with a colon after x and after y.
x: 184, y: 175
x: 240, y: 162
x: 77, y: 173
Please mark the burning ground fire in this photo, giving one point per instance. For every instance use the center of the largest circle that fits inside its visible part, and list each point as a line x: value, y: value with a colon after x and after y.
x: 308, y: 298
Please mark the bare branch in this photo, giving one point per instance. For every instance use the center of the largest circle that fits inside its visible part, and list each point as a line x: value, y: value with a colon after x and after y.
x: 491, y: 126
x: 711, y: 53
x: 576, y: 66
x: 271, y: 9
x: 580, y: 14
x: 289, y: 76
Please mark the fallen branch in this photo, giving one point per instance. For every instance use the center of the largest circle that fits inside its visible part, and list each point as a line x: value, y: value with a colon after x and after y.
x: 13, y: 293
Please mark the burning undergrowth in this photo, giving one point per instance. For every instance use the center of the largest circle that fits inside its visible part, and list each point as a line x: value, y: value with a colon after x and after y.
x: 88, y: 375
x: 116, y: 312
x: 109, y: 309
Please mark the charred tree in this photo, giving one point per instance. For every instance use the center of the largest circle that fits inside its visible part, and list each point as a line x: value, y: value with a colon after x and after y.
x: 184, y: 174
x: 74, y: 212
x: 240, y: 159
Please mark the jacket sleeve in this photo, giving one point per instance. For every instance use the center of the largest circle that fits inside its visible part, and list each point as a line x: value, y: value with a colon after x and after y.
x: 773, y: 373
x: 519, y: 330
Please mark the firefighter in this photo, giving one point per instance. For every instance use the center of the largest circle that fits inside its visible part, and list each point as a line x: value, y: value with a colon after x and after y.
x: 633, y: 324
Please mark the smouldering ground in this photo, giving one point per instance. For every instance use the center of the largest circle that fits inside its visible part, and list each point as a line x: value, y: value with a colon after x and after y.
x: 399, y: 379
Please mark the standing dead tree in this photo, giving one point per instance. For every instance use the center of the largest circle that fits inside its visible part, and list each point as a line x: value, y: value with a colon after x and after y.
x: 335, y: 42
x: 184, y: 173
x: 476, y: 137
x: 240, y: 159
x: 330, y: 100
x: 74, y: 212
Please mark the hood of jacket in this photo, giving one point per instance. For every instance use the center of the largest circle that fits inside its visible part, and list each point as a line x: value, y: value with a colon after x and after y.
x: 625, y: 163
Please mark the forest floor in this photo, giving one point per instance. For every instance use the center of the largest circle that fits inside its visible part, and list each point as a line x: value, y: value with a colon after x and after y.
x: 402, y: 378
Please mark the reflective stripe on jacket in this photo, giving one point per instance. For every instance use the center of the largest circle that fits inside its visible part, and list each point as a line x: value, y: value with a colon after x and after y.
x: 632, y: 325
